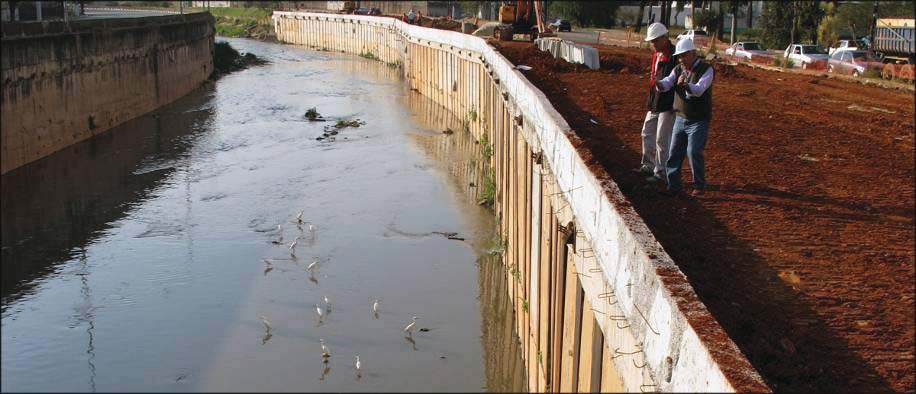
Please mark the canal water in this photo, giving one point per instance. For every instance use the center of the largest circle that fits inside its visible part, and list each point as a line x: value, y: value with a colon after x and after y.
x: 144, y: 259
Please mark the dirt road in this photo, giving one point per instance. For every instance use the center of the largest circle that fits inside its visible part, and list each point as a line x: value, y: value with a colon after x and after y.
x: 803, y: 246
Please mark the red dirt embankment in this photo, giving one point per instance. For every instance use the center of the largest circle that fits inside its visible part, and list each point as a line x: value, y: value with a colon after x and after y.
x: 802, y: 247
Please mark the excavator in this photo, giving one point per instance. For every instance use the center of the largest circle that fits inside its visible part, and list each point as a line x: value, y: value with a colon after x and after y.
x: 523, y: 17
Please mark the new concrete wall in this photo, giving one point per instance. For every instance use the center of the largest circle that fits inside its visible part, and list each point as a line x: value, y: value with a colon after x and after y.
x: 64, y: 82
x: 599, y: 304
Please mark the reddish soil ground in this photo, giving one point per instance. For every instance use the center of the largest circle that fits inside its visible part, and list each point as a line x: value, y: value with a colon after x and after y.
x: 802, y: 248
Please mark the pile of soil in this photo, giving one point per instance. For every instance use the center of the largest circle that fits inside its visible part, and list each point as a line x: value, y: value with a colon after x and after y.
x: 441, y: 23
x: 802, y: 247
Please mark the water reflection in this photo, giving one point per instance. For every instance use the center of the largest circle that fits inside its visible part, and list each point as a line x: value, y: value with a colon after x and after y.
x: 461, y: 156
x: 58, y: 205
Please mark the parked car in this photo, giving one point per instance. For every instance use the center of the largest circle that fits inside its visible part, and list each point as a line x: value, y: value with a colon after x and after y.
x: 746, y: 50
x: 853, y: 62
x: 560, y: 25
x: 367, y: 11
x: 699, y: 37
x: 804, y: 55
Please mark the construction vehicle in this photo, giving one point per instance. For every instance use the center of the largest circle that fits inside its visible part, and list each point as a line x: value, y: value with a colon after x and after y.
x: 894, y: 39
x: 342, y: 7
x: 523, y: 17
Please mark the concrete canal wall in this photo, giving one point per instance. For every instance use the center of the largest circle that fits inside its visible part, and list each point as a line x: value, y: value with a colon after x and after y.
x: 64, y: 82
x: 598, y: 304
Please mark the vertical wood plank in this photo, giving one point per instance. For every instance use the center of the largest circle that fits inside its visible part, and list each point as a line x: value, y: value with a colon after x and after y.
x: 572, y: 323
x: 590, y: 352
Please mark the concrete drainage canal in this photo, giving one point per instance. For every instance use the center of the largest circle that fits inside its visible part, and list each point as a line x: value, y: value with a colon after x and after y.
x: 170, y: 253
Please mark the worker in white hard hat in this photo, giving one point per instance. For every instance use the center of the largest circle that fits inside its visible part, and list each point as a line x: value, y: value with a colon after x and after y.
x: 691, y: 81
x: 656, y: 128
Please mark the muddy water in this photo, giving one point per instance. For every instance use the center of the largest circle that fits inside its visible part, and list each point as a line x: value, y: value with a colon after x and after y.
x: 136, y: 261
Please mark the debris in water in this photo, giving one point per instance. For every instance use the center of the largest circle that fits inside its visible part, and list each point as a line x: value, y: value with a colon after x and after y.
x: 523, y: 67
x: 448, y: 131
x: 313, y: 115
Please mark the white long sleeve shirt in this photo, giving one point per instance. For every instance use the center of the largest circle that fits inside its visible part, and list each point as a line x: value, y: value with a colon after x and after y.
x: 693, y: 89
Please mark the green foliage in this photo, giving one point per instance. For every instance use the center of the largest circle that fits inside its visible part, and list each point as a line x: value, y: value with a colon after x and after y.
x: 779, y: 61
x: 872, y: 74
x: 749, y: 35
x: 224, y: 56
x: 710, y: 19
x: 525, y: 305
x: 488, y: 193
x: 584, y: 13
x: 368, y: 55
x: 241, y: 22
x: 312, y: 113
x: 827, y: 30
x: 778, y: 17
x: 472, y: 115
x: 348, y: 123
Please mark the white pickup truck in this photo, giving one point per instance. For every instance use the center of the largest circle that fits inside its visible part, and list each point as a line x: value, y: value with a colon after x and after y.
x: 844, y: 45
x: 805, y: 55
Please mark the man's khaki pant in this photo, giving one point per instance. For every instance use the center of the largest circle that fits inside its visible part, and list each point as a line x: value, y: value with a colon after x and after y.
x: 656, y: 140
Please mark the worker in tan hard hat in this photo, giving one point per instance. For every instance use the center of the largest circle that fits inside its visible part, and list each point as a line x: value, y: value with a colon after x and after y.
x: 656, y: 128
x: 691, y: 82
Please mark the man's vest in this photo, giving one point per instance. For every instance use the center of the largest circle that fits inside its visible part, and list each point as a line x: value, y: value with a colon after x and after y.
x: 693, y: 108
x: 661, y: 101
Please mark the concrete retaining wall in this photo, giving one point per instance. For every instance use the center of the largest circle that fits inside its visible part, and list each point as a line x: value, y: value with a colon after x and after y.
x: 599, y: 305
x: 64, y: 82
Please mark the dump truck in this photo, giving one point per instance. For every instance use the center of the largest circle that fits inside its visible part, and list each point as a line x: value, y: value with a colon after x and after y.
x: 893, y: 43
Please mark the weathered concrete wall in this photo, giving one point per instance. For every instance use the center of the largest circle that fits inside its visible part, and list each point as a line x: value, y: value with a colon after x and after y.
x: 65, y: 82
x: 599, y: 305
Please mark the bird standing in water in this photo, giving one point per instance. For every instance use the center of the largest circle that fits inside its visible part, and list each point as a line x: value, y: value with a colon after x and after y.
x: 409, y: 328
x: 292, y: 247
x: 358, y: 366
x: 266, y: 323
x: 375, y: 306
x: 320, y: 313
x: 327, y: 304
x: 299, y: 218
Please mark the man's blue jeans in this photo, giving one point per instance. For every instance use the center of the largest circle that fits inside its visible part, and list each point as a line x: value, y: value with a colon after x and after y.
x: 688, y: 137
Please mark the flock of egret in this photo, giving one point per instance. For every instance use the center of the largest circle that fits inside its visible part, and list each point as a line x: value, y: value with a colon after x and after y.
x: 325, y: 352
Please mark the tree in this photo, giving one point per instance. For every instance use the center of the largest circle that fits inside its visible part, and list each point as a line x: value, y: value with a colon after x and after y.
x: 708, y: 19
x: 783, y: 22
x: 642, y: 10
x: 585, y: 13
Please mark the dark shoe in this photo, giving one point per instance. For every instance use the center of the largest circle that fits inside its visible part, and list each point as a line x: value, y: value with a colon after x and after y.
x: 645, y: 170
x: 669, y: 193
x: 698, y: 192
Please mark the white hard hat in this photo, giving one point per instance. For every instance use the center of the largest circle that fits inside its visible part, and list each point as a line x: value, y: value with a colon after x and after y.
x: 656, y: 30
x: 684, y: 45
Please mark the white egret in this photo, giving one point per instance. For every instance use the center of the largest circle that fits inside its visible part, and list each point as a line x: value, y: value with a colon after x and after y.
x: 318, y: 309
x: 266, y: 323
x: 312, y: 266
x: 325, y: 353
x: 311, y: 227
x: 292, y: 246
x: 327, y: 304
x: 375, y: 306
x: 299, y: 217
x: 358, y: 365
x: 409, y: 328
